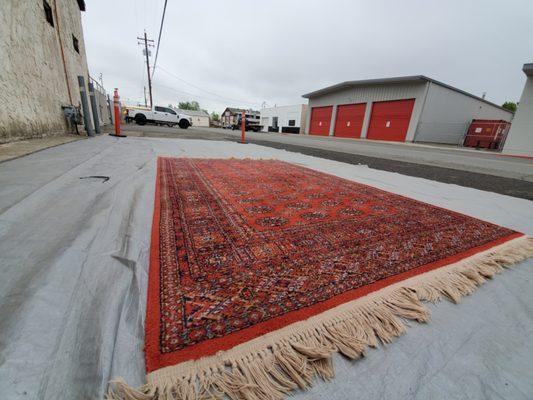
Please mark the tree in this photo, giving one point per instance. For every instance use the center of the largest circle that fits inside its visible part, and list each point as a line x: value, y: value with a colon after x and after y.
x: 215, y: 117
x: 510, y: 106
x: 189, y: 105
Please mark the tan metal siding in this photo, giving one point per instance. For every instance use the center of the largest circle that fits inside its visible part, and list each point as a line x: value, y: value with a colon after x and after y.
x: 448, y: 113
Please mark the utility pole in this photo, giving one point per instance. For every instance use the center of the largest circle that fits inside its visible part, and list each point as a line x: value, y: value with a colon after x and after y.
x: 145, y: 41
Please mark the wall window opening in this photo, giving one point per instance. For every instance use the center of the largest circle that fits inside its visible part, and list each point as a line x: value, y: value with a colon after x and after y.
x: 75, y: 43
x: 48, y: 13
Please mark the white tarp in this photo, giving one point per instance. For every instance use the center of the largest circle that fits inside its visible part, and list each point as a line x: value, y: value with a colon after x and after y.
x: 74, y: 261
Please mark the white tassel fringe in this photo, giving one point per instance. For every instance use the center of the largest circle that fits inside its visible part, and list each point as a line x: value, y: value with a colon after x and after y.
x: 271, y: 366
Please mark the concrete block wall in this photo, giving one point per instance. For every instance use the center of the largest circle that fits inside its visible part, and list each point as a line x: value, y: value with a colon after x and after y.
x: 33, y: 83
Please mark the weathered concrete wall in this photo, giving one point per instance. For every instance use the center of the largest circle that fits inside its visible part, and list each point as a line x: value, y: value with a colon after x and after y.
x: 33, y: 83
x: 520, y: 137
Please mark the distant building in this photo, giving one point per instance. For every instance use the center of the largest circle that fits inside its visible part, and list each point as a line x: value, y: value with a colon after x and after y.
x: 231, y: 116
x: 520, y: 137
x: 43, y: 54
x: 402, y: 109
x: 199, y: 118
x: 286, y: 119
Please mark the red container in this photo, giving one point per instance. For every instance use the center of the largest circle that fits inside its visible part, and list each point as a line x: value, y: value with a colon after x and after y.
x: 486, y: 133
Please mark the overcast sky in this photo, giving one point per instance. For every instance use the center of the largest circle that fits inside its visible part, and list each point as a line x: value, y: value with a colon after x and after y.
x: 246, y: 52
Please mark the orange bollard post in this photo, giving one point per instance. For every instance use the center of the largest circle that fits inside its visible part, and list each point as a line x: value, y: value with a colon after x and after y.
x: 243, y: 127
x: 116, y: 106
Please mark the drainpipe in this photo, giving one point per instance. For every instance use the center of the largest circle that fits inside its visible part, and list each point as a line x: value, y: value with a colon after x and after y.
x: 62, y: 52
x: 85, y: 106
x: 96, y: 118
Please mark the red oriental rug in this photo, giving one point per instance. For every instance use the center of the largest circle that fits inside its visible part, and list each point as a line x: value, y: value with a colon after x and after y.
x: 261, y: 269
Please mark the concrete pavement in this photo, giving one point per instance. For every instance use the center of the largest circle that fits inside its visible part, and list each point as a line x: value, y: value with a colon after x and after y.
x: 470, y: 168
x: 11, y: 150
x: 471, y: 160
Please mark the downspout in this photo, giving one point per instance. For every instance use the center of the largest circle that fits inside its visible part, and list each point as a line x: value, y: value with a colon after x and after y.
x: 62, y: 52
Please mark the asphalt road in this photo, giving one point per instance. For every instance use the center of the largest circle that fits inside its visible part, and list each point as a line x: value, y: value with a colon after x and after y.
x: 505, y: 175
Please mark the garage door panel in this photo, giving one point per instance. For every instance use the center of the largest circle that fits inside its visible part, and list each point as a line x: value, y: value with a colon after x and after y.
x: 349, y: 120
x: 390, y: 120
x: 320, y: 120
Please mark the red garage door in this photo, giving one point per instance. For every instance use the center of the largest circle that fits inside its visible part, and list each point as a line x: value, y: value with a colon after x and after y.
x: 390, y: 120
x: 349, y: 121
x: 320, y: 120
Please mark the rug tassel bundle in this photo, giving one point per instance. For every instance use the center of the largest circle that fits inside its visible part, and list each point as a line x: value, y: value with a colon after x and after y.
x: 272, y: 366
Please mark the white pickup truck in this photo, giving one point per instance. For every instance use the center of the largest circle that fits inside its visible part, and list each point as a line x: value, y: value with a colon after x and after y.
x: 158, y: 115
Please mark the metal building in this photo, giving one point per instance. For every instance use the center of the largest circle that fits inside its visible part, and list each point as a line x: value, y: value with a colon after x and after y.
x: 520, y: 138
x: 403, y: 109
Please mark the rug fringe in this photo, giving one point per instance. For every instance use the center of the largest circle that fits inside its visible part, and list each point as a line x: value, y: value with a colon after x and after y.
x: 271, y: 366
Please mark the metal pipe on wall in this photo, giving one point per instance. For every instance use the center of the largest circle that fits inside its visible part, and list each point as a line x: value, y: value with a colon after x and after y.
x: 85, y: 106
x: 94, y: 108
x: 62, y: 52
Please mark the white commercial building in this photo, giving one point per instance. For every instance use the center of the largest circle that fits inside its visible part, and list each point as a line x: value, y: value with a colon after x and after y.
x: 520, y: 137
x: 287, y: 119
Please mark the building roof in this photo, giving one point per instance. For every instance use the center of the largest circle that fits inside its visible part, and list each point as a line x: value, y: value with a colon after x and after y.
x: 234, y: 110
x: 528, y: 69
x: 284, y: 106
x: 193, y: 113
x: 398, y: 79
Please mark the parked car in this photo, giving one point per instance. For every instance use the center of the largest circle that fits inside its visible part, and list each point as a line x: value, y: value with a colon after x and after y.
x: 158, y: 115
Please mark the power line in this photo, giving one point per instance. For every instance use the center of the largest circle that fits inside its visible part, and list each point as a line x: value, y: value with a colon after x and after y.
x: 159, y: 38
x: 194, y: 95
x: 207, y: 91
